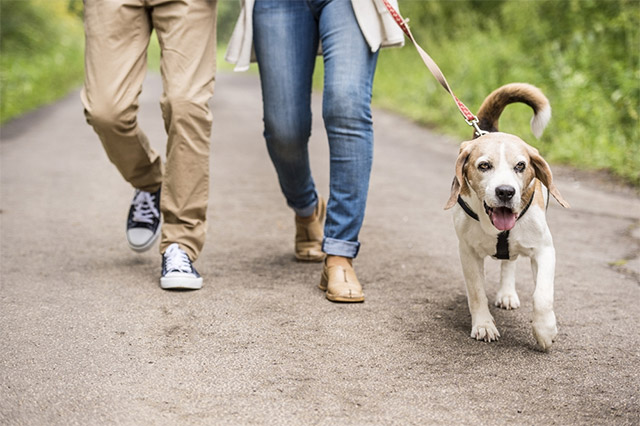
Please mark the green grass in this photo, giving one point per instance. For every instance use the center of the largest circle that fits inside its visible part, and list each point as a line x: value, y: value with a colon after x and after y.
x: 584, y: 54
x: 41, y: 60
x: 42, y: 51
x: 29, y: 82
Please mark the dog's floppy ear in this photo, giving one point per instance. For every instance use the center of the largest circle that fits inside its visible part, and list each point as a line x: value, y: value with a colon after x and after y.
x: 459, y: 181
x: 543, y: 173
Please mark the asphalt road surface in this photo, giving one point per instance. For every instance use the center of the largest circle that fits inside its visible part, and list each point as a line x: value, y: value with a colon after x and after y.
x: 88, y: 337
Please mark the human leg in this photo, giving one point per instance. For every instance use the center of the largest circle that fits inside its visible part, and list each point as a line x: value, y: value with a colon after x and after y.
x: 187, y: 35
x: 349, y: 70
x: 286, y: 43
x: 117, y: 36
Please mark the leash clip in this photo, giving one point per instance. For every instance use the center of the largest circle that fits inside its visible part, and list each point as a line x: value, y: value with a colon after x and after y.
x: 474, y: 123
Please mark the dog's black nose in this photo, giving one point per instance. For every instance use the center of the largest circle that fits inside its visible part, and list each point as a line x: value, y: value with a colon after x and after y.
x: 505, y: 192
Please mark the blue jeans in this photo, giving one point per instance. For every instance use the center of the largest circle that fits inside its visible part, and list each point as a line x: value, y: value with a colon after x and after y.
x: 286, y: 36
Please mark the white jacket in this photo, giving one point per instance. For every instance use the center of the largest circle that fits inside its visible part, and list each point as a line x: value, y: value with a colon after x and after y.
x: 375, y: 21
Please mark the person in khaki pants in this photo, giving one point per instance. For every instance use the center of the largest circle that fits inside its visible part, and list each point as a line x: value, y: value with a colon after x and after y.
x: 117, y: 36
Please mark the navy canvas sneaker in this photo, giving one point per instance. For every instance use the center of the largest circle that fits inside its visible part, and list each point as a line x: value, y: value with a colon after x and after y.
x: 178, y: 271
x: 143, y: 223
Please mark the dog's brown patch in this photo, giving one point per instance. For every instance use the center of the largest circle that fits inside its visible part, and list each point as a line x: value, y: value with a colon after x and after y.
x: 539, y: 196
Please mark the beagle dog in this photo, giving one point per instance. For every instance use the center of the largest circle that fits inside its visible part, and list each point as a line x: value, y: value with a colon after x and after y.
x: 499, y: 194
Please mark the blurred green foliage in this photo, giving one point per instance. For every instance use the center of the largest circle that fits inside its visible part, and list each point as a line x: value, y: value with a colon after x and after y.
x: 584, y: 54
x: 41, y: 59
x: 228, y: 11
x: 42, y: 50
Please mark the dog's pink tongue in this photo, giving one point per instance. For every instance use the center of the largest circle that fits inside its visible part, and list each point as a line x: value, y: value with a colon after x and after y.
x: 503, y: 218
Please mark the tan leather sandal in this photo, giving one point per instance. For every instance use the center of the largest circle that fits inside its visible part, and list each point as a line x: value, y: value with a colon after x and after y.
x: 309, y: 233
x: 341, y: 284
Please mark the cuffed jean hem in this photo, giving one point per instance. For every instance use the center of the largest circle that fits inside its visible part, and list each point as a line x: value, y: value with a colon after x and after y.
x: 307, y: 211
x: 334, y: 247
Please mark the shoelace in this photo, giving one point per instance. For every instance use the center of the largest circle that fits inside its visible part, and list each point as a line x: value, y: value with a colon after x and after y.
x: 176, y: 259
x: 144, y: 208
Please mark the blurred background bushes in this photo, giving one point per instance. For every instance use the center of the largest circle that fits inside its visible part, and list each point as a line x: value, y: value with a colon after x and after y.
x: 584, y: 54
x: 41, y: 53
x: 42, y: 50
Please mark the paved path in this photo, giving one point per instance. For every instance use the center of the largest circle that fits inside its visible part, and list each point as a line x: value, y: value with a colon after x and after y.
x: 88, y: 337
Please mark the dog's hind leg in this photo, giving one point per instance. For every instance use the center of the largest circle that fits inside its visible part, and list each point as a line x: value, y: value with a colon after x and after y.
x: 482, y: 323
x: 507, y: 297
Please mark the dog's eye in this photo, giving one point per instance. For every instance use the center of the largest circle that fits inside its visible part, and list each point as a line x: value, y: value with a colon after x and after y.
x: 485, y: 166
x: 519, y: 168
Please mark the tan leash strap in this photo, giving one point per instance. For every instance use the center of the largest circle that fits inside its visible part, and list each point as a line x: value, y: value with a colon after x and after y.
x: 471, y: 119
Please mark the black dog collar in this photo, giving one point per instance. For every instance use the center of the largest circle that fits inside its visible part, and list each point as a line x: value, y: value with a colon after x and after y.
x: 502, y: 245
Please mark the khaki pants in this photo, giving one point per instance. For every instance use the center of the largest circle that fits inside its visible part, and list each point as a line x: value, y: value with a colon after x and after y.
x: 117, y: 35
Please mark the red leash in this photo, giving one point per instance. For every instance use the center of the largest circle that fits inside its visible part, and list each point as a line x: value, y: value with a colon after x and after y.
x: 471, y: 119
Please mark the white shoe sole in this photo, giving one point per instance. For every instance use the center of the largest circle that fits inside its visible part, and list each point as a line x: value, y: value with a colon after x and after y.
x: 185, y: 283
x: 146, y: 246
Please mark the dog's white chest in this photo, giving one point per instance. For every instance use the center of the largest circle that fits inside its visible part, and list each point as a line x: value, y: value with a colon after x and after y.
x: 498, y: 246
x: 521, y: 240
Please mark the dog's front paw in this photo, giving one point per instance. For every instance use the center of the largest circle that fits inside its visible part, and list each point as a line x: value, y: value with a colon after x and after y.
x: 507, y: 300
x: 485, y: 330
x: 545, y: 329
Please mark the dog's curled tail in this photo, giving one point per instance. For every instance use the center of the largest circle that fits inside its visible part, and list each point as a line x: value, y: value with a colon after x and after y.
x: 494, y: 104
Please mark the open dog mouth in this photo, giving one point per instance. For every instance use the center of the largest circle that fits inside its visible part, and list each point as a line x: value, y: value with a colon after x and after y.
x: 503, y: 218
